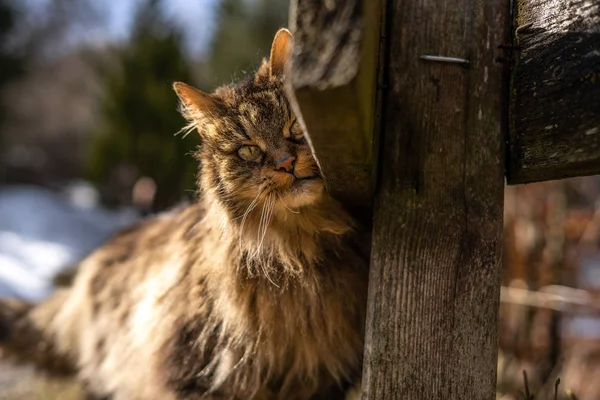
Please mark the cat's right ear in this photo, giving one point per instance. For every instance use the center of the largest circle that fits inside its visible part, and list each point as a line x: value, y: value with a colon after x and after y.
x: 195, y: 104
x: 280, y: 51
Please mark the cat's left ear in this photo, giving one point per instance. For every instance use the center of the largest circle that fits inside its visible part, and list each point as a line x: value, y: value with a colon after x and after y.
x: 280, y: 50
x: 195, y: 104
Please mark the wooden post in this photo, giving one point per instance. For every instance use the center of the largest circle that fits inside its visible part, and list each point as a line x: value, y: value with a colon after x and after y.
x: 332, y: 88
x: 432, y: 320
x: 434, y: 286
x: 555, y: 94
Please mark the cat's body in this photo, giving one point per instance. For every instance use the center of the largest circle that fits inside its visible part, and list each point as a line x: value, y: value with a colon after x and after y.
x: 257, y: 291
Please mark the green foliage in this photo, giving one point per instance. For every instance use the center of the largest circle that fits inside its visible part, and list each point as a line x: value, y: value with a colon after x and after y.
x: 139, y: 108
x: 243, y: 36
x: 11, y: 63
x: 139, y: 113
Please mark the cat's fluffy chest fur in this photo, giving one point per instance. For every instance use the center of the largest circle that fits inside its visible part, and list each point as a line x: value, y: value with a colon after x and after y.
x: 216, y: 326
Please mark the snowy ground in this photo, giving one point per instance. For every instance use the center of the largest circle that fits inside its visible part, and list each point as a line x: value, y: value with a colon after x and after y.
x: 43, y: 232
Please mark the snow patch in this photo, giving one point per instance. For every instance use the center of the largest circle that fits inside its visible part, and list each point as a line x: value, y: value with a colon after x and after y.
x: 43, y: 232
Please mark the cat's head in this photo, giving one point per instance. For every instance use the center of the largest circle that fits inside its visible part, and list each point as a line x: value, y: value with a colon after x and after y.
x: 253, y: 148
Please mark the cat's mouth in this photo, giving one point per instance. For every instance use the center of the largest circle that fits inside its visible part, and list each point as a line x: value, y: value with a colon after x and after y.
x: 307, y: 178
x: 293, y: 187
x: 304, y: 180
x: 300, y: 191
x: 305, y: 184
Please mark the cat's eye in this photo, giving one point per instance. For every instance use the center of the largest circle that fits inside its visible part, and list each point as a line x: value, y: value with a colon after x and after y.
x: 250, y: 153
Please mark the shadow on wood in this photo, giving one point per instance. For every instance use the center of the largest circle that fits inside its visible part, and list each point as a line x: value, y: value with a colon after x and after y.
x: 332, y: 87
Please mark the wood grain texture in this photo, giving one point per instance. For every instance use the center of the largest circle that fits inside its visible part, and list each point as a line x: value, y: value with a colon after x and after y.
x: 555, y: 96
x: 332, y: 87
x: 432, y: 319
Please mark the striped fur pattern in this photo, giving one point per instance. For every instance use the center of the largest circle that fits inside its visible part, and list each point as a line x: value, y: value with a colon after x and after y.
x: 255, y: 291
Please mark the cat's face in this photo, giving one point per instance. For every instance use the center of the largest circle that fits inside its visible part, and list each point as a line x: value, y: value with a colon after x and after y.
x: 254, y: 150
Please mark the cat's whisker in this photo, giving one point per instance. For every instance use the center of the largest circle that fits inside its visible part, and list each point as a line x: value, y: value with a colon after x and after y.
x: 251, y: 207
x: 267, y: 218
x: 269, y: 206
x: 248, y: 211
x: 186, y: 129
x: 286, y: 206
x: 260, y: 223
x: 271, y: 210
x: 268, y: 214
x: 262, y: 226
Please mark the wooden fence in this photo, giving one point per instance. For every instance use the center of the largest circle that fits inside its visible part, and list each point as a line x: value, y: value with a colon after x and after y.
x: 416, y: 111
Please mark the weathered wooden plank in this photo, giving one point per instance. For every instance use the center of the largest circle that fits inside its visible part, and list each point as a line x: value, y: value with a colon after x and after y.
x: 332, y: 85
x: 555, y: 95
x: 431, y: 329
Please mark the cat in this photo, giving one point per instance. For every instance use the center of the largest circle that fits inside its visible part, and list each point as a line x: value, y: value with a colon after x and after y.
x: 257, y: 290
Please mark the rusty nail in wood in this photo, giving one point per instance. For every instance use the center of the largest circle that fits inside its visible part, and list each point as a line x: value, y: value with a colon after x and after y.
x: 524, y: 28
x: 444, y: 59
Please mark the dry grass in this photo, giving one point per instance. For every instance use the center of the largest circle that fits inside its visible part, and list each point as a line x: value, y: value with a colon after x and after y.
x: 525, y: 393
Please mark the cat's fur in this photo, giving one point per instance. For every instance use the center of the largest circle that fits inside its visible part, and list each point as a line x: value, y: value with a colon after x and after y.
x: 256, y: 291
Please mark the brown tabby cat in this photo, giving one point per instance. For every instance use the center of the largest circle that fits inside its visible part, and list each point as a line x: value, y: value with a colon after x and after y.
x: 257, y: 291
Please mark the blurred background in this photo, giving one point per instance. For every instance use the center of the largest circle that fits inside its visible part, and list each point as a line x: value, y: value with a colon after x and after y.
x: 89, y: 144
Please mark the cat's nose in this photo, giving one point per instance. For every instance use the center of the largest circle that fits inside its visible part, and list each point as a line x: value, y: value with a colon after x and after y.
x: 285, y: 163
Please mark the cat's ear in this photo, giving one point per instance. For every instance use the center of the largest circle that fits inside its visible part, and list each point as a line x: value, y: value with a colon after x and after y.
x: 195, y: 104
x: 280, y: 50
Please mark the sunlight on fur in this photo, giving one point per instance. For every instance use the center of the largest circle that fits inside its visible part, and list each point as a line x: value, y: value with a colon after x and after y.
x: 255, y: 291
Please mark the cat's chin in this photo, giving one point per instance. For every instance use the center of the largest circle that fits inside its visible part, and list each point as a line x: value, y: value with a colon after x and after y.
x: 303, y: 192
